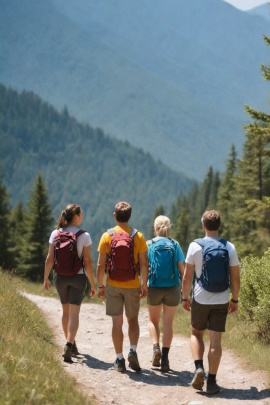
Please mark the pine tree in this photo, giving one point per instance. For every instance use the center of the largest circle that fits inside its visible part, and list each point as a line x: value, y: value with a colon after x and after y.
x: 38, y: 225
x: 226, y: 193
x: 17, y: 237
x: 5, y: 259
x: 158, y: 211
x: 181, y: 229
x: 251, y: 217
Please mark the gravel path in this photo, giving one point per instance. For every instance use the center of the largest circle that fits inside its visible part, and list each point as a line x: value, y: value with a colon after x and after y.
x: 92, y: 369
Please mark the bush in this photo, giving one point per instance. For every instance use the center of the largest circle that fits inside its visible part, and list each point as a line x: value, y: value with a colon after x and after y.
x: 255, y: 294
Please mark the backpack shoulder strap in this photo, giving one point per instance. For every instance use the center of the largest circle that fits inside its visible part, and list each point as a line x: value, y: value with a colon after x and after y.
x: 133, y: 232
x: 200, y: 242
x: 223, y: 241
x: 111, y: 231
x: 80, y: 232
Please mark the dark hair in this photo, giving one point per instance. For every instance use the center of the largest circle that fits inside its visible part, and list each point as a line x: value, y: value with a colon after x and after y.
x: 122, y: 211
x: 67, y: 215
x: 211, y: 220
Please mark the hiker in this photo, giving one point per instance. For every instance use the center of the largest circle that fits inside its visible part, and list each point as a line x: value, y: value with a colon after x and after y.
x: 121, y: 249
x: 216, y: 274
x: 166, y: 268
x: 70, y: 287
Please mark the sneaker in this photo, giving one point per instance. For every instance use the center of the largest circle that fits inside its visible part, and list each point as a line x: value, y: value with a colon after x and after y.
x: 67, y: 354
x: 198, y: 379
x: 74, y: 350
x: 165, y: 366
x: 119, y: 365
x: 133, y: 361
x: 156, y: 358
x: 212, y: 388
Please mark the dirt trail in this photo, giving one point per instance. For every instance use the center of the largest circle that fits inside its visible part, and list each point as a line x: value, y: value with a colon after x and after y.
x: 92, y: 369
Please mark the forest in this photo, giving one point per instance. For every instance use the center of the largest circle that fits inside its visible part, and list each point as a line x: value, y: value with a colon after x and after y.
x: 241, y: 194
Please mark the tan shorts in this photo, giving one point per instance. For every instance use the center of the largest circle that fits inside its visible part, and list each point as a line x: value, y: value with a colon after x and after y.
x: 118, y: 298
x: 169, y: 296
x: 212, y: 317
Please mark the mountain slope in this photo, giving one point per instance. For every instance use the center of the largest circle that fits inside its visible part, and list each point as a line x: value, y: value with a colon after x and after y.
x: 79, y: 164
x: 262, y: 11
x: 170, y: 77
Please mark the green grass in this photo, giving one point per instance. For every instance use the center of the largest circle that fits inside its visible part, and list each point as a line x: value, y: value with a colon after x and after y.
x: 30, y: 372
x: 239, y: 337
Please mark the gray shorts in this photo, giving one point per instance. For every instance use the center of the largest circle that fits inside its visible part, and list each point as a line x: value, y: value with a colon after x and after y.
x: 212, y: 317
x: 169, y: 296
x: 71, y: 289
x: 118, y: 298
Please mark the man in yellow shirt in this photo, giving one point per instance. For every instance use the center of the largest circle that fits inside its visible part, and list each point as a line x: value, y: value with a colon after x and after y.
x: 119, y: 293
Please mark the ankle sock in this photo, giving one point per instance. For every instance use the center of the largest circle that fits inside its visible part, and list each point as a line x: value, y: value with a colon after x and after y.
x: 165, y: 352
x: 133, y: 348
x: 156, y: 346
x: 211, y: 378
x: 198, y: 364
x: 119, y: 356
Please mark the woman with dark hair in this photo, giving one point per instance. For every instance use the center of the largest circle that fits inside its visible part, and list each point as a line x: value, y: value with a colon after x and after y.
x: 71, y: 288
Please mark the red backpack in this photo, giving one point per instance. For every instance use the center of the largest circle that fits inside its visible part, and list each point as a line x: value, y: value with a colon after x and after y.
x: 66, y: 259
x: 121, y: 265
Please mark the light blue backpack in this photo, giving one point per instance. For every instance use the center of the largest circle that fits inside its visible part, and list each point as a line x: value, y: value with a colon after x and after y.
x: 163, y: 270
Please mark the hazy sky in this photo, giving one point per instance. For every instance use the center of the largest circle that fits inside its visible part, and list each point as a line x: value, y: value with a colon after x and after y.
x: 246, y: 4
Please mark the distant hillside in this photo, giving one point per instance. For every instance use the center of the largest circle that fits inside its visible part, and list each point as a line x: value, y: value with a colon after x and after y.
x: 79, y: 164
x: 262, y: 11
x: 171, y: 77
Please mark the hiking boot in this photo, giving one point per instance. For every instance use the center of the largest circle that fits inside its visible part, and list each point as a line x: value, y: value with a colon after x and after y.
x: 212, y: 388
x: 198, y: 379
x: 156, y: 358
x: 133, y: 361
x: 165, y: 366
x: 67, y: 354
x: 74, y: 350
x: 119, y: 365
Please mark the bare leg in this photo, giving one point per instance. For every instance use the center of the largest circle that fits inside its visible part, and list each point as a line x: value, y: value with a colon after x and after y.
x: 197, y: 344
x: 133, y: 330
x: 168, y: 316
x: 73, y: 323
x: 153, y: 325
x: 65, y: 319
x: 117, y: 333
x: 215, y: 351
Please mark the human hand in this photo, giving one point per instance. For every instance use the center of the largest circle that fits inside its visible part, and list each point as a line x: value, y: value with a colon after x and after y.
x: 46, y: 284
x: 92, y: 292
x: 233, y: 307
x: 102, y: 292
x: 186, y: 305
x: 144, y: 291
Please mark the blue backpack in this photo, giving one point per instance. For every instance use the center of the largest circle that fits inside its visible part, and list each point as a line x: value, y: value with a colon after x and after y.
x: 215, y: 275
x: 163, y: 270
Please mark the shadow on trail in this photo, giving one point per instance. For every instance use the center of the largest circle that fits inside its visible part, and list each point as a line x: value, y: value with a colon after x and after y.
x: 172, y: 378
x: 243, y: 394
x: 93, y: 362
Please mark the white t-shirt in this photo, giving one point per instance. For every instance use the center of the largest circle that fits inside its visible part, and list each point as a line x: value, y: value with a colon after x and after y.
x: 82, y: 241
x: 194, y: 257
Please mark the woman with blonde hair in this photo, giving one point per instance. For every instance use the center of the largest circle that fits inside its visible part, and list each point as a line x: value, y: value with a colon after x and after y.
x: 71, y: 287
x: 166, y: 268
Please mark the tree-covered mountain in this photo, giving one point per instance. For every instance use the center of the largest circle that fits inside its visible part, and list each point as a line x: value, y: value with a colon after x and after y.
x: 170, y: 77
x: 79, y: 164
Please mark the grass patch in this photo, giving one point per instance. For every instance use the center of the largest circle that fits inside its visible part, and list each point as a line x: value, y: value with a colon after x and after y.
x: 29, y: 370
x: 239, y: 337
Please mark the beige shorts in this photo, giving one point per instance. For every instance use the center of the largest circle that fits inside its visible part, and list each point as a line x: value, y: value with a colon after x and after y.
x: 118, y: 298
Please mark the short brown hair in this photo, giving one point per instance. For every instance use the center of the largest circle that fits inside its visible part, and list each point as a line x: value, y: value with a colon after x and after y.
x: 122, y: 211
x: 211, y: 220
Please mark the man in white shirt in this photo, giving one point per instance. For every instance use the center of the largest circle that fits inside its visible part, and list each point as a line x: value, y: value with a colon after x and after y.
x: 208, y: 309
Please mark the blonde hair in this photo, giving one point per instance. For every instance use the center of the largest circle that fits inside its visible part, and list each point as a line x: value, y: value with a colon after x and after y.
x: 162, y: 226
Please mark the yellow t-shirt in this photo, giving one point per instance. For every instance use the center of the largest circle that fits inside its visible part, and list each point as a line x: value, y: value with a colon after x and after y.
x: 140, y: 246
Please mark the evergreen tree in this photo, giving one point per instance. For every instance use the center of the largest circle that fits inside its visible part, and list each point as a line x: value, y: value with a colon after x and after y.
x: 251, y: 218
x: 181, y: 229
x: 225, y: 194
x: 38, y: 226
x: 5, y: 259
x: 17, y: 227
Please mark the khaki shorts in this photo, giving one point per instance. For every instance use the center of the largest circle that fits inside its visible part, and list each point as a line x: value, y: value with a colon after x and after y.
x: 169, y: 296
x: 118, y: 298
x: 70, y: 288
x: 212, y: 317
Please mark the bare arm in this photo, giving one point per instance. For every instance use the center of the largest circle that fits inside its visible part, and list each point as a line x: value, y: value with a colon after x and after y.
x: 48, y: 267
x: 181, y: 269
x: 143, y: 260
x: 101, y: 266
x: 186, y: 285
x: 89, y: 268
x: 235, y: 287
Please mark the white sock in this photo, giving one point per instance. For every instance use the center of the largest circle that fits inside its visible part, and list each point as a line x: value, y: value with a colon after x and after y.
x: 119, y: 356
x: 133, y: 347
